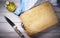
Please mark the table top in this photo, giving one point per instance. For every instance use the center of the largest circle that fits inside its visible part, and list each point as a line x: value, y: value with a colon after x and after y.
x: 6, y: 31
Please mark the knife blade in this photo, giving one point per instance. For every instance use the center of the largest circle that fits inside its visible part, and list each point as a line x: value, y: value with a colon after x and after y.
x: 9, y: 21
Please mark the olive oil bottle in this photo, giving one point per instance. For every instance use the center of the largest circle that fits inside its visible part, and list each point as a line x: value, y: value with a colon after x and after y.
x: 10, y: 6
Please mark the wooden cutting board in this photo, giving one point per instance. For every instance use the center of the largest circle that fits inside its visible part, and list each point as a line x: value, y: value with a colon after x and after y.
x: 39, y: 18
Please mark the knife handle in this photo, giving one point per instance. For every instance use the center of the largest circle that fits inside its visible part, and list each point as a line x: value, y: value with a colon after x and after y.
x: 19, y: 33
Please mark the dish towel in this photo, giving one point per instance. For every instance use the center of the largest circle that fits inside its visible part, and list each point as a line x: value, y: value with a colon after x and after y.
x: 24, y: 6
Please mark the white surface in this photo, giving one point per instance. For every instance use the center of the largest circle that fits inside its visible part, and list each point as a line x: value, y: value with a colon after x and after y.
x: 54, y: 2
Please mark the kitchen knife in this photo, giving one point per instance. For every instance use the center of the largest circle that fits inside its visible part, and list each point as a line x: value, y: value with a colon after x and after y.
x: 21, y: 34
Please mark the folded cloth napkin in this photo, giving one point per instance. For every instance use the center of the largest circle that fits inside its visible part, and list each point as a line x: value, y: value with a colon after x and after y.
x: 24, y: 5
